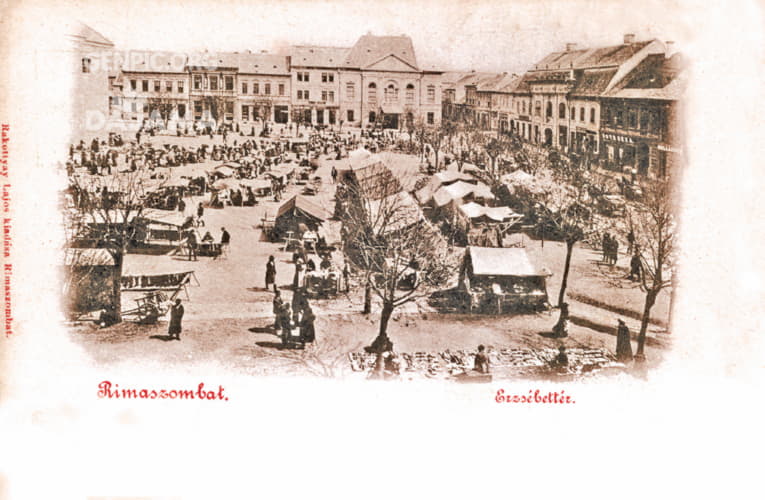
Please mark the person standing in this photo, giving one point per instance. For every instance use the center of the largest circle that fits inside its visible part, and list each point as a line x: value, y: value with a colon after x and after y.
x: 200, y: 210
x: 606, y: 246
x: 176, y: 317
x: 225, y: 238
x: 191, y: 241
x: 307, y: 329
x: 630, y: 242
x: 623, y: 346
x: 635, y: 266
x: 278, y: 305
x: 271, y: 273
x: 346, y: 277
x: 614, y: 251
x: 334, y: 174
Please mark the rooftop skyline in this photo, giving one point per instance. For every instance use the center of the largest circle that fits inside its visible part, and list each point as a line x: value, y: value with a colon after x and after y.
x: 480, y: 35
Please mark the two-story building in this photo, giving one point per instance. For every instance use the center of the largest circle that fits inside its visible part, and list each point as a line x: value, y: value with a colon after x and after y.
x: 264, y: 85
x: 315, y: 83
x: 154, y: 86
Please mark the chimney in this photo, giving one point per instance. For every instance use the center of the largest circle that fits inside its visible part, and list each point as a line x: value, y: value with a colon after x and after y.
x: 570, y: 47
x: 629, y: 39
x: 670, y: 49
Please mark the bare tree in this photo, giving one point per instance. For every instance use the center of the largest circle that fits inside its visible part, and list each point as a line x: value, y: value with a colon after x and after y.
x: 653, y: 224
x: 105, y: 216
x: 163, y: 103
x: 404, y: 257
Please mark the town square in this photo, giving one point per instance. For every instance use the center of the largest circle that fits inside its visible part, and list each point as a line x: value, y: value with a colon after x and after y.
x: 357, y: 212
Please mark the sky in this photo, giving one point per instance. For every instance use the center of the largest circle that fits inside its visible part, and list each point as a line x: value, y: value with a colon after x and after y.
x: 479, y: 35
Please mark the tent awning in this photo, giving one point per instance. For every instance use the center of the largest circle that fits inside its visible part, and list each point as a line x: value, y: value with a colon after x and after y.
x: 487, y: 261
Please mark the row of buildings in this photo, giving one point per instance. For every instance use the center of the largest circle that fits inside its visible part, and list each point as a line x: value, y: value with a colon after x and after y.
x: 376, y: 81
x: 617, y: 106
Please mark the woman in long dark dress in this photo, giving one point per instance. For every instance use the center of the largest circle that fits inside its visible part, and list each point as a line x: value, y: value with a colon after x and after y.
x: 307, y: 330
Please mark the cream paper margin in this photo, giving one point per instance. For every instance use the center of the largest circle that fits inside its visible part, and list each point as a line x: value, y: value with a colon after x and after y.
x: 680, y: 431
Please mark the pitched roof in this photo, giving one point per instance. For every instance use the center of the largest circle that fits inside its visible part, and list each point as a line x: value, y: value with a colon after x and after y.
x: 487, y: 261
x: 316, y: 56
x: 214, y: 60
x: 155, y: 62
x: 592, y: 83
x: 590, y: 58
x: 263, y: 64
x: 84, y: 32
x: 86, y: 257
x: 656, y: 77
x: 305, y: 205
x: 370, y: 49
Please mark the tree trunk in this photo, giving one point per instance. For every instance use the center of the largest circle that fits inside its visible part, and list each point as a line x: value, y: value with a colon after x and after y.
x: 650, y: 300
x: 566, y: 267
x: 116, y: 312
x: 367, y: 299
x: 387, y: 312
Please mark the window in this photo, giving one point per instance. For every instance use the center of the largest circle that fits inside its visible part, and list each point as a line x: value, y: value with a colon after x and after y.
x: 573, y: 113
x: 581, y: 114
x: 561, y: 110
x: 372, y: 93
x: 213, y: 83
x: 168, y: 86
x: 197, y: 110
x: 267, y: 89
x: 245, y: 112
x: 157, y: 85
x: 180, y: 86
x: 538, y: 108
x: 372, y: 117
x: 391, y: 93
x: 134, y: 107
x: 331, y: 96
x: 350, y: 91
x: 410, y: 94
x: 632, y: 118
x: 300, y: 94
x: 181, y: 111
x: 229, y: 83
x: 324, y: 95
x: 86, y: 65
x: 523, y: 107
x: 302, y: 76
x: 327, y: 78
x: 306, y: 95
x: 133, y: 85
x: 145, y: 109
x: 244, y: 87
x: 619, y: 119
x: 563, y: 135
x: 431, y: 118
x: 548, y: 110
x: 256, y: 88
x: 281, y: 89
x: 592, y: 115
x: 350, y: 115
x: 145, y: 85
x: 197, y: 82
x: 431, y: 93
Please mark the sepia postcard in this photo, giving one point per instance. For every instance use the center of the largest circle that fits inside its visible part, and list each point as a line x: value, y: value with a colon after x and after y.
x: 352, y: 242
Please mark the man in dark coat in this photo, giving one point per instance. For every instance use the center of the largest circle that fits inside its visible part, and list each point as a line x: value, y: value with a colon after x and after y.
x: 623, y: 346
x: 271, y: 273
x: 176, y: 316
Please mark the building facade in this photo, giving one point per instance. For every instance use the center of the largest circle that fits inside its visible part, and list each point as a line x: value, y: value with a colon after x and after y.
x: 615, y: 106
x: 375, y: 82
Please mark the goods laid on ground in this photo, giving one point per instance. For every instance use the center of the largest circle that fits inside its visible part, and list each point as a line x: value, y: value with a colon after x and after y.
x: 503, y: 362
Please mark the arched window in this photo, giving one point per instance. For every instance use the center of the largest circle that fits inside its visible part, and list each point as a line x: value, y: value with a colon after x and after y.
x: 581, y: 114
x: 410, y: 94
x: 592, y: 115
x: 573, y: 113
x: 372, y: 93
x: 391, y: 93
x: 549, y: 110
x: 561, y: 110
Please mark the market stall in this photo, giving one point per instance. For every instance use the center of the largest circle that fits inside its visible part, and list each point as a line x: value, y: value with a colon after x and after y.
x: 501, y: 280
